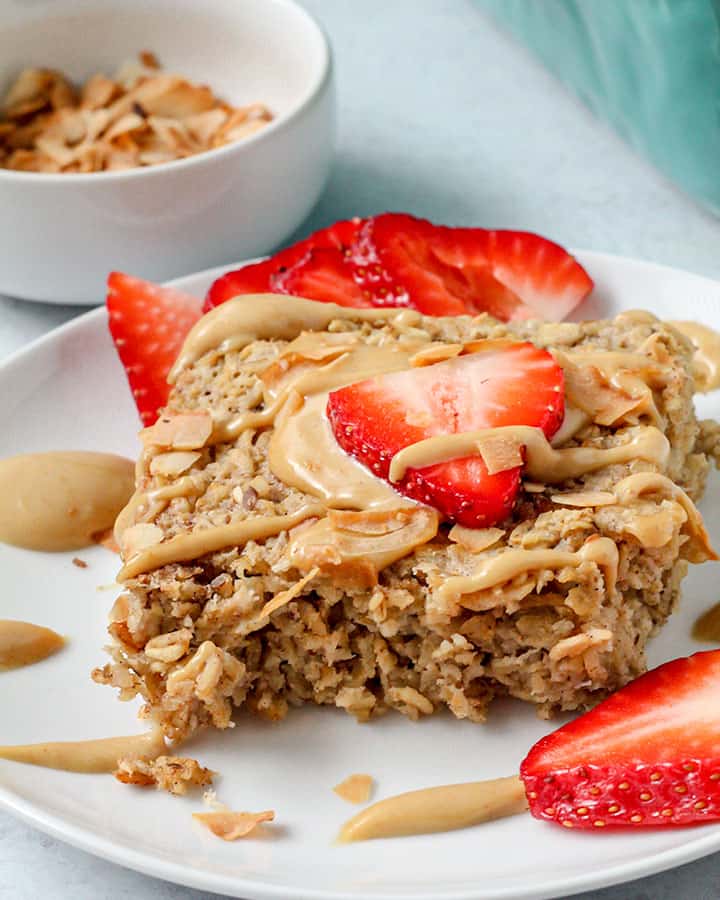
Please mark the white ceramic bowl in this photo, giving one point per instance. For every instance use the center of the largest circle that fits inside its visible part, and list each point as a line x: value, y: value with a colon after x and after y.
x: 61, y: 234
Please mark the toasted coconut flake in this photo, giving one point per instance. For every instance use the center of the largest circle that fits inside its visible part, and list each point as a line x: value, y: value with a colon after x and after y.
x: 587, y: 388
x: 204, y: 126
x: 148, y: 59
x: 30, y: 85
x: 141, y: 117
x: 584, y: 498
x: 140, y: 537
x: 61, y: 93
x: 184, y: 431
x: 175, y: 462
x: 129, y: 122
x: 359, y: 544
x: 475, y: 539
x: 355, y: 788
x: 284, y: 597
x: 533, y: 487
x: 56, y: 151
x: 98, y: 91
x: 435, y: 353
x: 577, y: 644
x: 230, y: 826
x: 500, y: 453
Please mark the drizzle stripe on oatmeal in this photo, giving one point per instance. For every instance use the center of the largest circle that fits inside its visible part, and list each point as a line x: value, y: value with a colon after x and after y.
x: 270, y: 317
x: 505, y: 566
x: 185, y: 547
x: 58, y: 501
x: 543, y: 462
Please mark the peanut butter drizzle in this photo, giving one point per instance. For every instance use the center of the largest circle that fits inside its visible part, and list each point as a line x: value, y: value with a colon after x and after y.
x: 88, y: 757
x: 636, y: 486
x: 186, y: 547
x: 303, y: 453
x: 706, y: 360
x: 437, y: 809
x: 22, y: 644
x: 543, y: 462
x: 60, y: 500
x: 508, y: 564
x: 707, y: 626
x: 254, y: 317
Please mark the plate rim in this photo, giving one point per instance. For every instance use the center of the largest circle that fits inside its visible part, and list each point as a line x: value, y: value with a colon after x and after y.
x: 176, y: 872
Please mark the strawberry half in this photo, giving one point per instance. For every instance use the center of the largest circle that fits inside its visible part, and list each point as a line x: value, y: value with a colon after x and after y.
x: 648, y: 755
x: 373, y: 419
x: 148, y: 324
x: 257, y: 278
x: 451, y: 271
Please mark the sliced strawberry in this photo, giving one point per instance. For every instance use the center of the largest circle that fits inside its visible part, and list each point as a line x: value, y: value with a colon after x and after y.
x: 648, y: 755
x: 321, y: 275
x: 148, y: 324
x: 256, y: 278
x: 374, y: 419
x: 451, y: 271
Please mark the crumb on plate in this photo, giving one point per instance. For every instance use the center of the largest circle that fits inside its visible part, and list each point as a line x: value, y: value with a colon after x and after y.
x: 355, y: 788
x: 174, y: 774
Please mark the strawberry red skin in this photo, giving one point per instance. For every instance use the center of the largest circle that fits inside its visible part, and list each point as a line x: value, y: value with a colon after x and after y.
x: 148, y: 324
x: 440, y: 271
x: 370, y: 422
x: 649, y: 755
x: 321, y: 274
x: 257, y: 278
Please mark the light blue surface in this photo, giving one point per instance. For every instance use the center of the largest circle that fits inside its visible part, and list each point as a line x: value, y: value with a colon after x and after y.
x: 440, y: 115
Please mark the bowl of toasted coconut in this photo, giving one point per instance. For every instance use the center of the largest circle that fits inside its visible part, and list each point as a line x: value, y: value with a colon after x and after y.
x: 155, y: 136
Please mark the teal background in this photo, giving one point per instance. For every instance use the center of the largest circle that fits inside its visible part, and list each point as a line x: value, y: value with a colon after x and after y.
x: 649, y: 67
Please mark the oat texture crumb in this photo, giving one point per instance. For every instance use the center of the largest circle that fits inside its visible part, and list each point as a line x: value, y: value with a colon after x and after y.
x: 80, y: 563
x: 174, y: 774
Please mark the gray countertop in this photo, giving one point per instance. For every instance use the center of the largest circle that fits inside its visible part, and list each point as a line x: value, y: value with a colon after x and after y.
x: 441, y: 115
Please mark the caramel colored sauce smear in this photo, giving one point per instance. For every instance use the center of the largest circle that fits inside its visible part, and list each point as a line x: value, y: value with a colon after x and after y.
x: 57, y: 501
x: 707, y: 627
x: 707, y: 353
x: 88, y: 757
x: 22, y: 644
x: 437, y: 809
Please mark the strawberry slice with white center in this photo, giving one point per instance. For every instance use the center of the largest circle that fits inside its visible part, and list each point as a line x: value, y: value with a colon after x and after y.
x: 148, y: 323
x: 515, y: 384
x: 445, y: 271
x: 649, y: 755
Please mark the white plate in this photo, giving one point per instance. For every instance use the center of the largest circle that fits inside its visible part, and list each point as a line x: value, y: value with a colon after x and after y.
x: 68, y: 391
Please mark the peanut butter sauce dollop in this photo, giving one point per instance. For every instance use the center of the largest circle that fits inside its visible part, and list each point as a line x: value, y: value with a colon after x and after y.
x: 22, y: 644
x: 88, y: 757
x: 437, y: 809
x: 59, y: 500
x: 707, y: 626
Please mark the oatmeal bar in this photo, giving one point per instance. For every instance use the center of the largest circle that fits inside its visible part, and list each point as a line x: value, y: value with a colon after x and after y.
x: 264, y: 568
